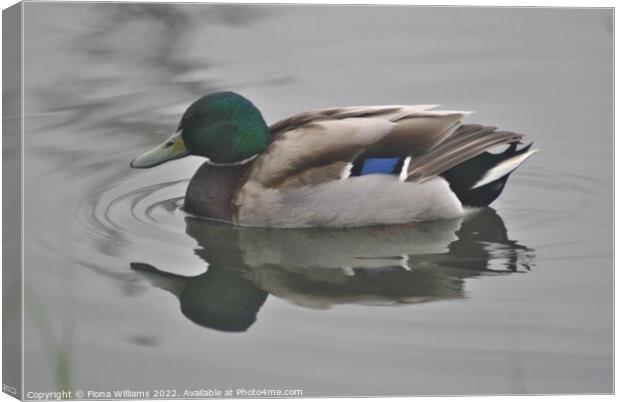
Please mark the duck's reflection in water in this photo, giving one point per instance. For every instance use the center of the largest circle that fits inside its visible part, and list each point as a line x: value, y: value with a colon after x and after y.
x: 319, y: 268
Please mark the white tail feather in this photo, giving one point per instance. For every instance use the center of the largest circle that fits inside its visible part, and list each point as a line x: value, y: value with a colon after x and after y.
x: 503, y: 168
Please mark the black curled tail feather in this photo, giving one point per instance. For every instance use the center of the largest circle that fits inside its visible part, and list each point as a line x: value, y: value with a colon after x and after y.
x: 464, y: 176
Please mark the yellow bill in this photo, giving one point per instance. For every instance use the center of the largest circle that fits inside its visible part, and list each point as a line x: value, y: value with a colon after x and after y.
x: 173, y: 148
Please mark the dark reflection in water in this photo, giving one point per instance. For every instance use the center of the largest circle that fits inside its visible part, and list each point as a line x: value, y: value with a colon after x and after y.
x: 320, y: 268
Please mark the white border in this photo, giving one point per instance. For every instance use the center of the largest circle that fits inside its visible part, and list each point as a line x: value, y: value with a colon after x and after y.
x: 482, y: 3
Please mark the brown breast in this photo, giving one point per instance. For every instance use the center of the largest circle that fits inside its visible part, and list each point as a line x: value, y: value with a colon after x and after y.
x: 210, y: 192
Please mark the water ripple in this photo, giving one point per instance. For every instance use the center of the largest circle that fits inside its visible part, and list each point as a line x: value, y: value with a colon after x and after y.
x: 149, y: 215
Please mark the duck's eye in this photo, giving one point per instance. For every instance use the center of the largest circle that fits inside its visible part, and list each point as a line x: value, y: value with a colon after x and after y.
x: 169, y: 144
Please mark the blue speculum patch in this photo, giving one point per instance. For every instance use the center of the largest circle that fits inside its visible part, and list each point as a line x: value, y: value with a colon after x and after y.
x: 380, y: 166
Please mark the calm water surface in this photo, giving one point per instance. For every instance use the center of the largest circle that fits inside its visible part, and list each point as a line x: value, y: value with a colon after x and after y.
x: 126, y: 291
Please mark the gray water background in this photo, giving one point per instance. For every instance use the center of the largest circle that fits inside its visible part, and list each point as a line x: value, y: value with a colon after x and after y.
x: 513, y: 301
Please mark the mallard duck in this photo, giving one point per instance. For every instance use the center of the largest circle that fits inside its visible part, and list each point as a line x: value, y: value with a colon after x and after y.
x: 345, y: 166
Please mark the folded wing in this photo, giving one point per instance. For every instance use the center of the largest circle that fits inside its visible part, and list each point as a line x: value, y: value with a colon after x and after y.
x: 318, y: 146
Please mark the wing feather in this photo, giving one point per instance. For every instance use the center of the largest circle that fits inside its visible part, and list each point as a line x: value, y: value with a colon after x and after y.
x: 415, y: 135
x: 319, y: 146
x: 466, y: 143
x: 315, y: 145
x: 392, y: 112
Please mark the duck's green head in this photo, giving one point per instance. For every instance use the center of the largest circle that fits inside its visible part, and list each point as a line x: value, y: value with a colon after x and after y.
x: 224, y: 127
